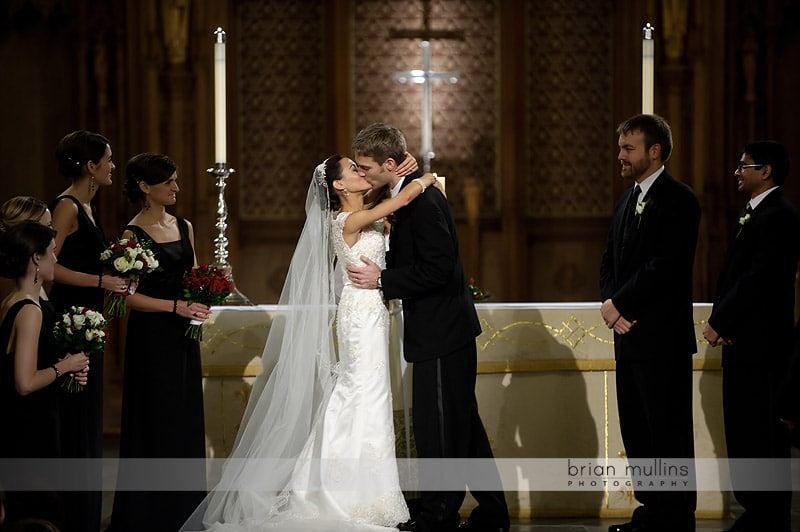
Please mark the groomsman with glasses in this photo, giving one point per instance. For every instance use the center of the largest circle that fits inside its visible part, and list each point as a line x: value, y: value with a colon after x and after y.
x: 753, y: 320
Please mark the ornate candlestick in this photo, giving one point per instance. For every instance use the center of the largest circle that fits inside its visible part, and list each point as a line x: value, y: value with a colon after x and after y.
x: 221, y: 170
x: 222, y: 173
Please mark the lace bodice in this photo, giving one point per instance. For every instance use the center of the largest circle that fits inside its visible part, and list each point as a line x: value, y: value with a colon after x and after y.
x: 372, y: 244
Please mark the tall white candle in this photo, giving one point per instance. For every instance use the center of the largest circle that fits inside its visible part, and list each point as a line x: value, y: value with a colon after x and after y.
x: 648, y: 55
x: 219, y: 96
x: 440, y: 178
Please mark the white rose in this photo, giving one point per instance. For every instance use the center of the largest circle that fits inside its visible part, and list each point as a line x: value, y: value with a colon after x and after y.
x: 121, y: 264
x: 90, y: 334
x: 79, y: 320
x: 138, y: 265
x: 131, y: 253
x: 105, y: 255
x: 95, y: 319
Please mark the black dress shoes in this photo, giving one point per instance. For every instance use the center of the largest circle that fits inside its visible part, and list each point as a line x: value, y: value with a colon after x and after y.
x: 469, y: 526
x: 627, y: 527
x: 415, y: 525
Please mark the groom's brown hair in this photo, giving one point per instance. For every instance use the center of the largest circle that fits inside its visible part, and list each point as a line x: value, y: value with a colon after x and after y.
x: 381, y: 142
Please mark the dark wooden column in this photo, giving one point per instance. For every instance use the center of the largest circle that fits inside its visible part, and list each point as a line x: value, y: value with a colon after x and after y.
x: 511, y: 154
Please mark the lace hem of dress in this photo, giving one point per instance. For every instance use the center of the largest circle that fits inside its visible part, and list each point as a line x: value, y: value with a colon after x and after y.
x: 387, y: 510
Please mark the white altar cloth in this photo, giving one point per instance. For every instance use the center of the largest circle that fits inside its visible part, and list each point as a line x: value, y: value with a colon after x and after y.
x: 545, y: 388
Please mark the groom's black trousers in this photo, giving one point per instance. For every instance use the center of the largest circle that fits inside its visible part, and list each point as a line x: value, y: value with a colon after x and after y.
x: 447, y: 425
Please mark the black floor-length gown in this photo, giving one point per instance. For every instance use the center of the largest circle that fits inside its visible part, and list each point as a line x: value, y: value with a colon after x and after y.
x: 162, y: 403
x: 82, y: 413
x: 30, y: 425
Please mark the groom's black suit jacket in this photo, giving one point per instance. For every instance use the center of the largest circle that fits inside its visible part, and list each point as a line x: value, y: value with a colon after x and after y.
x: 755, y: 292
x: 648, y: 272
x: 424, y: 269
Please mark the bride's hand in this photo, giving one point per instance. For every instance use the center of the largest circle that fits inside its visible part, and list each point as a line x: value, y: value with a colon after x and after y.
x: 408, y: 166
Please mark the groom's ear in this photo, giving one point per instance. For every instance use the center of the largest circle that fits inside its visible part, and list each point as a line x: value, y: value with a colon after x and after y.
x: 390, y: 165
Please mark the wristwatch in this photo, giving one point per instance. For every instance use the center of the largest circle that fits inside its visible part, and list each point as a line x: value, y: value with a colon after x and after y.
x: 378, y: 282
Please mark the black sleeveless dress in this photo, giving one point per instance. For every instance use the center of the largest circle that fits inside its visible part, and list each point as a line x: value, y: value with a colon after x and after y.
x: 162, y: 403
x: 82, y: 413
x: 30, y: 424
x: 81, y: 253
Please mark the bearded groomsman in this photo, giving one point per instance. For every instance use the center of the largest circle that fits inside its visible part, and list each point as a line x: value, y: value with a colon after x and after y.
x: 646, y: 289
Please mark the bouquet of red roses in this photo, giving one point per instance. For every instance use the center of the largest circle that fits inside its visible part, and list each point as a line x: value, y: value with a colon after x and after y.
x: 205, y: 284
x: 126, y: 257
x: 80, y: 329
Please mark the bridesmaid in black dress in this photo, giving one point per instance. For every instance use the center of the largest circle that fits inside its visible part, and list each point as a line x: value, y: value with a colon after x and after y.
x: 21, y: 209
x: 162, y: 395
x: 84, y: 158
x: 29, y: 370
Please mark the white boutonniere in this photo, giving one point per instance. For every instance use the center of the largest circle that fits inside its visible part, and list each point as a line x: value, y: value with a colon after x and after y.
x: 640, y: 207
x: 743, y: 219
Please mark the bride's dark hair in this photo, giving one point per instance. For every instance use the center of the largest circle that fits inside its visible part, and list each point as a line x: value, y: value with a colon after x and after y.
x: 333, y: 172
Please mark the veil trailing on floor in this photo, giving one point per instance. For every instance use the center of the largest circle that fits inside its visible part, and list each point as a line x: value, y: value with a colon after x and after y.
x: 293, y: 388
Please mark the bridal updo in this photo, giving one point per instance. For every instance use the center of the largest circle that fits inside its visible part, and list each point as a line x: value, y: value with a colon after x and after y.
x: 333, y: 172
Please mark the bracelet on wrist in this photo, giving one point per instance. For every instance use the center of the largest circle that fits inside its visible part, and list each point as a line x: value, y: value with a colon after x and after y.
x: 175, y: 306
x: 100, y: 280
x: 58, y: 373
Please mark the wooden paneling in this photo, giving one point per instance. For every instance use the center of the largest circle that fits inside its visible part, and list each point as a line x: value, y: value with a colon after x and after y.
x: 543, y: 85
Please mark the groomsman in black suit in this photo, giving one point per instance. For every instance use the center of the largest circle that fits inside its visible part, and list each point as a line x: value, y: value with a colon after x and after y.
x: 440, y: 325
x: 646, y: 292
x: 753, y: 319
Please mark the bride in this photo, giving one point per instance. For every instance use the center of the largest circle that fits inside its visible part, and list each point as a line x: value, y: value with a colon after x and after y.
x: 316, y: 449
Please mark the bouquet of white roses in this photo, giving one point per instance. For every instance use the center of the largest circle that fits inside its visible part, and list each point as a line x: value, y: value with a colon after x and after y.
x: 80, y: 329
x: 126, y: 257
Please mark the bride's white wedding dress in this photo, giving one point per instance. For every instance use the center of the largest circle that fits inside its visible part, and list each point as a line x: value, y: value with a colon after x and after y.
x: 356, y: 478
x: 346, y: 476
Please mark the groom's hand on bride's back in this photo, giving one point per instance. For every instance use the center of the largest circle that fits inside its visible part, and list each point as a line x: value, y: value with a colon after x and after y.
x: 364, y: 276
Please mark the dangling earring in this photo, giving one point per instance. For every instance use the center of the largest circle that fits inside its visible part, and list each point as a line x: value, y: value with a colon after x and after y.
x: 346, y: 193
x: 91, y: 184
x: 36, y: 276
x: 146, y: 206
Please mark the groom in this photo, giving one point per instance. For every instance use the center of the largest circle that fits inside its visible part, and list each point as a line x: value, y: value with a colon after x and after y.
x: 424, y: 270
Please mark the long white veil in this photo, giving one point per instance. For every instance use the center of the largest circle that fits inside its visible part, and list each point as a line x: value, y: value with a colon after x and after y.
x: 284, y: 402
